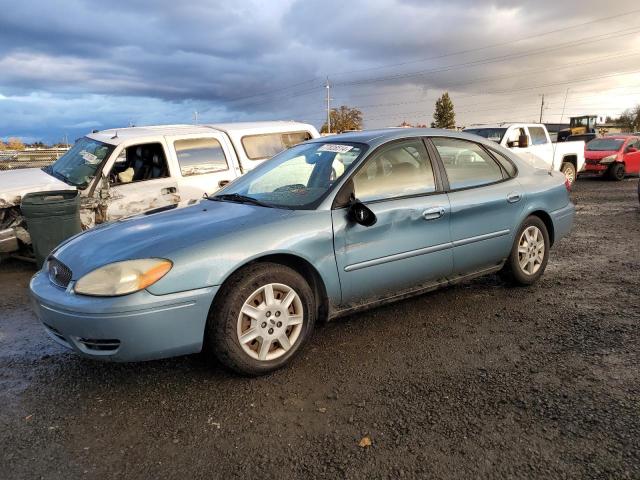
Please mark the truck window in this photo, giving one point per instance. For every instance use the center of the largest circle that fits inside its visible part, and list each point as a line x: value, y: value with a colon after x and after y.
x: 260, y: 147
x: 199, y: 156
x: 538, y: 136
x: 139, y: 163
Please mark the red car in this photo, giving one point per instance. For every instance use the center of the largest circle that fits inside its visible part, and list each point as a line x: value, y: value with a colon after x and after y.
x: 615, y: 156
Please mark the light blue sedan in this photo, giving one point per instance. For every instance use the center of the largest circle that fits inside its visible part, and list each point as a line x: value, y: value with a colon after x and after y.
x: 328, y: 227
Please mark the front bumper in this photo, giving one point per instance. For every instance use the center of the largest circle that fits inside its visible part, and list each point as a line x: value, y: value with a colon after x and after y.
x: 563, y: 221
x: 135, y: 327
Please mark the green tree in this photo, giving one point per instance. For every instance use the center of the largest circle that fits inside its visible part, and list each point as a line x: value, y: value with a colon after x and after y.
x: 343, y: 119
x: 629, y: 120
x: 444, y: 116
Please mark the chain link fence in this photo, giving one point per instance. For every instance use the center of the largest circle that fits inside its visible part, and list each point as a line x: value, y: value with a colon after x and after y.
x: 15, y: 159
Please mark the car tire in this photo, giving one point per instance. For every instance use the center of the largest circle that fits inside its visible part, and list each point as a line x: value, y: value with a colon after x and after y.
x: 616, y: 171
x: 569, y: 172
x: 264, y: 315
x: 529, y: 253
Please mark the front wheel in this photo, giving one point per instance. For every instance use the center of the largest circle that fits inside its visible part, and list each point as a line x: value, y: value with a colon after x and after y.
x: 569, y: 171
x: 529, y: 253
x: 616, y: 171
x: 264, y: 315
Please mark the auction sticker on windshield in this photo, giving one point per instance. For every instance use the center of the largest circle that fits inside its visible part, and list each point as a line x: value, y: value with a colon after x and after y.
x: 333, y: 147
x: 90, y: 158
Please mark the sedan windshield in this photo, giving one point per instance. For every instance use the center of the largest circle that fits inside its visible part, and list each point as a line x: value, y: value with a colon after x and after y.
x: 297, y: 178
x: 79, y: 165
x: 494, y: 134
x: 604, y: 144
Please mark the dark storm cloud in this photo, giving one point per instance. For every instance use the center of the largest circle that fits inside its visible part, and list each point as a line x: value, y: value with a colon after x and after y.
x: 82, y: 62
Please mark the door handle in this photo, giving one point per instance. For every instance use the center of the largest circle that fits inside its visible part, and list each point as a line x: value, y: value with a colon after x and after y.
x: 222, y: 183
x: 433, y: 213
x: 168, y: 190
x: 513, y: 197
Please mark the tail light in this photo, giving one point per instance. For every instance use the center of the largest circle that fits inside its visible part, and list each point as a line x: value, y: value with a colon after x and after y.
x: 567, y: 184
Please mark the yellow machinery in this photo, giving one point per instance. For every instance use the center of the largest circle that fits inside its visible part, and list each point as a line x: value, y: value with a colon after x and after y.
x: 582, y: 125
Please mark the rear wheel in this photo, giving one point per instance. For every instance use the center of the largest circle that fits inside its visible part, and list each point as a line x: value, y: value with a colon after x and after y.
x: 569, y: 171
x: 265, y: 314
x: 616, y: 171
x: 529, y: 253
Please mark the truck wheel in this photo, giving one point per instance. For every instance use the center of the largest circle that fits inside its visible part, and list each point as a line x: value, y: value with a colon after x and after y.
x: 616, y: 171
x: 264, y: 315
x: 569, y: 171
x: 529, y: 253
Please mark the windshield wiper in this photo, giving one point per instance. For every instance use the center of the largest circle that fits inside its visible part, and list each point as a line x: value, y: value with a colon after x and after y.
x: 238, y: 198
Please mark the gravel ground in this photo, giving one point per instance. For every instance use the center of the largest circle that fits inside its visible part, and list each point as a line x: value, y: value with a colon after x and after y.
x: 479, y: 380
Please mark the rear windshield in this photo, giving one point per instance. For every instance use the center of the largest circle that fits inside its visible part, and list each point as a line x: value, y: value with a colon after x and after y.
x: 604, y: 144
x: 263, y: 146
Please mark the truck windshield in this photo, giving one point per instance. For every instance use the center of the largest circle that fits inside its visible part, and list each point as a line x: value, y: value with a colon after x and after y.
x: 78, y: 166
x: 604, y: 144
x: 494, y: 134
x: 297, y: 178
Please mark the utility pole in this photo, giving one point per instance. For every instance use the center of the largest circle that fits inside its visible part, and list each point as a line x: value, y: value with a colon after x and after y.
x: 541, y: 108
x: 328, y: 106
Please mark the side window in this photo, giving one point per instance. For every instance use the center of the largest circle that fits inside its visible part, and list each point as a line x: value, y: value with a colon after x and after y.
x: 261, y: 147
x: 139, y: 163
x: 507, y: 164
x: 466, y: 163
x: 199, y: 156
x: 538, y: 136
x: 398, y: 170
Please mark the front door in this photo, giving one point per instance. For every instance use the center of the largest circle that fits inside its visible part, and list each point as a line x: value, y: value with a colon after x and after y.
x: 409, y: 245
x: 140, y: 180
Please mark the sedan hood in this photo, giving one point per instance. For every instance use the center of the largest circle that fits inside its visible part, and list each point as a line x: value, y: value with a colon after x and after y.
x: 14, y: 184
x: 161, y: 234
x: 598, y: 155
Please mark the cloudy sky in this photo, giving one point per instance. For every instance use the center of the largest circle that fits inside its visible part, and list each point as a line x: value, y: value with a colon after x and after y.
x: 70, y: 66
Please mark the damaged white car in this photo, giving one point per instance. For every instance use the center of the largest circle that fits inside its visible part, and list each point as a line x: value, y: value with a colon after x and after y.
x: 121, y: 172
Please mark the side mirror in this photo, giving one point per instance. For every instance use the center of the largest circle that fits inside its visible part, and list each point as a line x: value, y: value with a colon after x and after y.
x: 632, y: 149
x: 523, y: 141
x: 360, y: 213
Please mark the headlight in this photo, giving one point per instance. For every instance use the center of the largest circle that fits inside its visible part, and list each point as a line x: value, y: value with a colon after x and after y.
x: 121, y: 278
x: 609, y: 159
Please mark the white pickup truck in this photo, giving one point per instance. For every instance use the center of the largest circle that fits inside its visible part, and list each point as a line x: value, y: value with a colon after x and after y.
x: 122, y: 172
x: 531, y: 141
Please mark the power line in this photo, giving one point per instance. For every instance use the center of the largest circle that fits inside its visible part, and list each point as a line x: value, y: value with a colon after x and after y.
x: 486, y: 61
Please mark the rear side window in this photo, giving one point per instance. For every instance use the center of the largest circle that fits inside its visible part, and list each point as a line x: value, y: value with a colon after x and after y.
x: 538, y: 136
x: 507, y: 164
x: 260, y: 147
x: 199, y: 156
x: 467, y: 164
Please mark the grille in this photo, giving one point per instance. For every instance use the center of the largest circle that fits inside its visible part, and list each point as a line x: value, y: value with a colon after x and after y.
x: 100, y: 344
x: 59, y: 273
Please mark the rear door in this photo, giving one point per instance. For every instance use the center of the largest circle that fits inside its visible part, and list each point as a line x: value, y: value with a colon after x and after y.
x: 409, y: 245
x: 204, y: 163
x: 485, y: 200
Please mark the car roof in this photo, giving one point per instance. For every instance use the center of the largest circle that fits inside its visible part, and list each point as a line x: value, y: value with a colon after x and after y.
x: 377, y: 137
x: 115, y: 136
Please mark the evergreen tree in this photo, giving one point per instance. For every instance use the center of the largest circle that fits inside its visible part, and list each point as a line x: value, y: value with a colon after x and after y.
x: 444, y: 116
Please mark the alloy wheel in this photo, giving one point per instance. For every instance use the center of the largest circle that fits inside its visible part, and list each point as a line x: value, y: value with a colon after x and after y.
x: 270, y: 321
x: 531, y: 250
